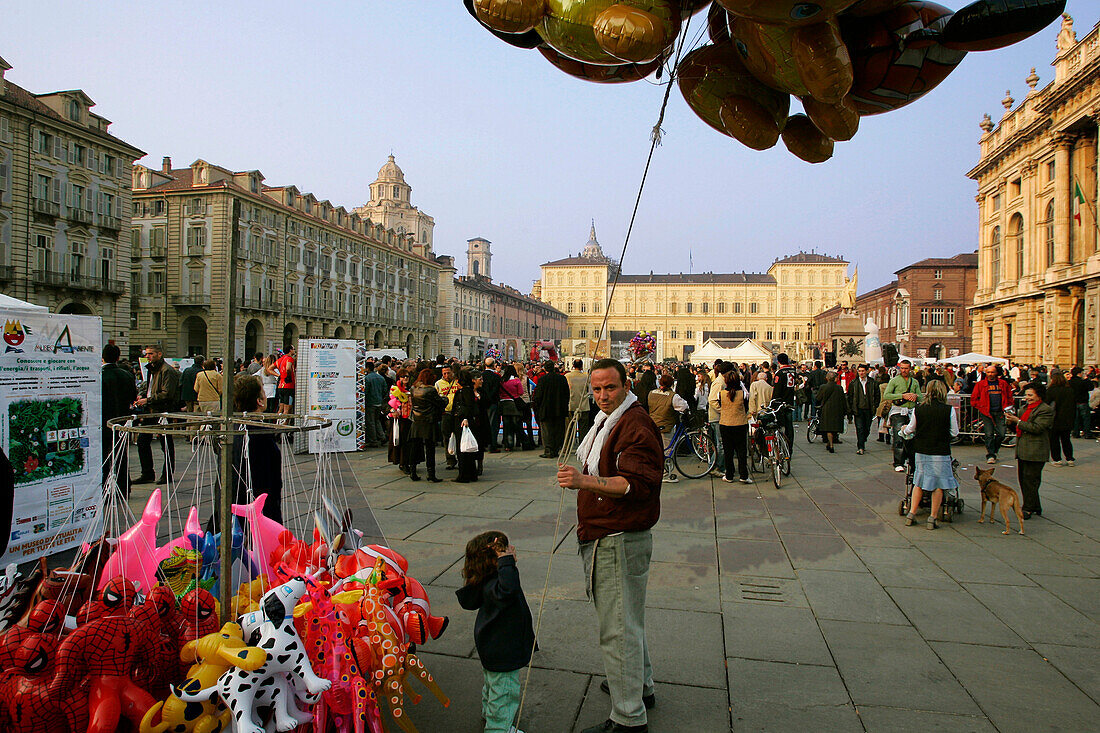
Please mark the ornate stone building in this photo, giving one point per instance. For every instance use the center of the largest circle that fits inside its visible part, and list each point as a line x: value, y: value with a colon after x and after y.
x: 776, y: 307
x: 1039, y: 272
x: 305, y: 268
x: 464, y: 313
x: 391, y: 206
x: 923, y: 311
x: 64, y: 206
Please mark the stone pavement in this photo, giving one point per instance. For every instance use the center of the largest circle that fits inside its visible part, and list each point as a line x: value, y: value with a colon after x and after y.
x: 778, y: 610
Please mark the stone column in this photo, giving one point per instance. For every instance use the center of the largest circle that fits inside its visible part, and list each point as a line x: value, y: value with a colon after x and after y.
x: 1063, y: 191
x: 1085, y: 234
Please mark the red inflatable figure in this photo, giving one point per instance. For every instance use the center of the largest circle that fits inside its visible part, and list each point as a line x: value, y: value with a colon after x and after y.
x: 106, y: 651
x: 197, y: 616
x: 157, y: 672
x: 26, y: 704
x: 116, y: 599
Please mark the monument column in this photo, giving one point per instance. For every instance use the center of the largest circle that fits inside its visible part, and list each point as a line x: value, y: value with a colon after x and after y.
x: 1063, y: 191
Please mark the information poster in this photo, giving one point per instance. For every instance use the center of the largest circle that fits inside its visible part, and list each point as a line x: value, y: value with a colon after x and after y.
x: 50, y: 428
x: 332, y: 374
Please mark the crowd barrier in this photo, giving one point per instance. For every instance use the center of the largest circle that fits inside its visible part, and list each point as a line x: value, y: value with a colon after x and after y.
x: 970, y: 420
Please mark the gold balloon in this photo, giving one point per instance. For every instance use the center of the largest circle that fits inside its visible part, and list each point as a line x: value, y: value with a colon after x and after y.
x: 839, y: 121
x: 510, y: 16
x: 804, y: 140
x: 633, y: 35
x: 610, y: 32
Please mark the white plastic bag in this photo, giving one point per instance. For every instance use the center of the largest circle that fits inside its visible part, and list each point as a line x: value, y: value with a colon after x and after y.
x: 469, y: 442
x: 451, y: 447
x: 396, y: 431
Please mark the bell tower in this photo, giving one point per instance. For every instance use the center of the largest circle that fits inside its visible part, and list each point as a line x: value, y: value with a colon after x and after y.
x: 478, y: 258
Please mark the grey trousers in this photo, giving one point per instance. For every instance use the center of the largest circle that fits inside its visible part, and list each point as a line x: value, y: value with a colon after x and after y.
x: 616, y: 572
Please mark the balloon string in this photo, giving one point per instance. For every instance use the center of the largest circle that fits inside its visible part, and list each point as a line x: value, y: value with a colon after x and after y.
x: 571, y: 429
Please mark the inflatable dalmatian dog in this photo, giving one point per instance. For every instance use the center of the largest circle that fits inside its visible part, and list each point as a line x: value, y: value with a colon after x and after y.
x: 285, y: 675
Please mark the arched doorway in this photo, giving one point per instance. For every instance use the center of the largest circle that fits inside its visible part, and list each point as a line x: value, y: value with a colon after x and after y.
x: 935, y: 351
x: 290, y: 336
x: 427, y: 353
x: 409, y: 345
x: 338, y: 333
x: 253, y: 339
x: 378, y: 339
x: 193, y: 335
x: 472, y: 350
x: 1079, y: 333
x: 76, y: 308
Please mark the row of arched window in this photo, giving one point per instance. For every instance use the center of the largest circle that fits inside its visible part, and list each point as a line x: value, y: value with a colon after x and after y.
x: 1014, y: 247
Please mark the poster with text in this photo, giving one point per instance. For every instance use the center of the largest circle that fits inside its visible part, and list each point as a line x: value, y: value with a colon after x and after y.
x: 332, y: 390
x: 51, y: 429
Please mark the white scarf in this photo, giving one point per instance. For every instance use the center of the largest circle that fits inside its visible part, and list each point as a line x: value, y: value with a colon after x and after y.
x: 592, y: 444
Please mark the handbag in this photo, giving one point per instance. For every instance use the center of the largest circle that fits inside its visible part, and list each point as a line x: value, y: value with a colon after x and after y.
x: 469, y: 442
x: 451, y: 445
x: 508, y: 408
x: 396, y: 431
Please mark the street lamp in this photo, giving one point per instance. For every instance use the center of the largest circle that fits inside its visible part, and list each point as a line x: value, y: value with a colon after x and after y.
x: 810, y: 339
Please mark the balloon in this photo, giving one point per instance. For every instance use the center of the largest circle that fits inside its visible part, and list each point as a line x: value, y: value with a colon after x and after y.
x: 26, y: 705
x: 213, y: 655
x: 265, y: 531
x: 183, y: 542
x: 135, y: 555
x: 599, y: 73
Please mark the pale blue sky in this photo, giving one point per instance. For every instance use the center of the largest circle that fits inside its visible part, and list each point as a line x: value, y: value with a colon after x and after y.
x: 497, y: 143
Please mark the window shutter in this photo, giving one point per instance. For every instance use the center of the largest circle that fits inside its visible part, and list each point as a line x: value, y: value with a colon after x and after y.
x: 69, y: 196
x: 57, y: 190
x: 72, y: 153
x: 103, y: 163
x: 89, y: 161
x: 58, y: 148
x: 118, y: 207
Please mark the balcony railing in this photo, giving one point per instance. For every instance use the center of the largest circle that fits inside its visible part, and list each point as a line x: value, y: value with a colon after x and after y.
x: 262, y: 304
x: 192, y: 299
x: 195, y: 250
x: 79, y: 282
x: 81, y: 216
x: 158, y: 252
x: 110, y: 222
x: 49, y: 208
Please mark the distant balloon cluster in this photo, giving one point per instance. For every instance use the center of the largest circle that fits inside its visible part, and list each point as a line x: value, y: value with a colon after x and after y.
x: 843, y: 59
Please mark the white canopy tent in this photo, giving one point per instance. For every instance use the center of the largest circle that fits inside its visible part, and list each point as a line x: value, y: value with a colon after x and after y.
x: 9, y: 303
x: 974, y: 358
x: 914, y: 360
x: 748, y: 351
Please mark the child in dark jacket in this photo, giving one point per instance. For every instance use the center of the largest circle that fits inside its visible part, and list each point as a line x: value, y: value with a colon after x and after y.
x: 502, y: 632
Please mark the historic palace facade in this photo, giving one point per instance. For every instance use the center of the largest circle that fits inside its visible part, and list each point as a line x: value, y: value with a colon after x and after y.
x: 776, y: 307
x: 1038, y: 291
x: 305, y: 267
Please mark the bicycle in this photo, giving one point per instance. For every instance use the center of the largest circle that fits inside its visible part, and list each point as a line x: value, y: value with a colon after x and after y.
x: 811, y: 429
x: 692, y: 451
x: 774, y: 453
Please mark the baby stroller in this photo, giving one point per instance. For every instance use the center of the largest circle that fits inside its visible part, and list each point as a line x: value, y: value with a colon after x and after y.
x: 952, y: 502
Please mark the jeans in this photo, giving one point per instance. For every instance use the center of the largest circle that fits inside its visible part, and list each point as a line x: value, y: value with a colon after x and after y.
x: 111, y: 442
x: 899, y: 444
x: 145, y: 453
x: 863, y: 427
x: 375, y: 431
x: 717, y: 433
x: 994, y: 429
x: 1083, y: 420
x: 735, y: 438
x: 1060, y: 443
x: 616, y: 574
x: 1030, y: 476
x: 494, y: 424
x: 500, y: 696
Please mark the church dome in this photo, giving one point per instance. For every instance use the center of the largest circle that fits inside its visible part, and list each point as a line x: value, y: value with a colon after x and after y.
x: 390, y: 172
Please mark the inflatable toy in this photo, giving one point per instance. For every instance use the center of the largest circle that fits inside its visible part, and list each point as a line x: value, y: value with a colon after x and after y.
x: 134, y: 556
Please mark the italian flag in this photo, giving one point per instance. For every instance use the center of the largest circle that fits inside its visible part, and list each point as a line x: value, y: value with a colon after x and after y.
x: 1078, y: 199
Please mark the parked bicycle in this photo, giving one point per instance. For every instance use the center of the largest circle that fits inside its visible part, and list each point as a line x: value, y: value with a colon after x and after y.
x: 691, y: 451
x: 811, y: 429
x: 768, y: 447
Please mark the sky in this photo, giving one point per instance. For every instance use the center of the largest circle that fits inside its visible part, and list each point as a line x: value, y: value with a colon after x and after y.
x: 498, y: 144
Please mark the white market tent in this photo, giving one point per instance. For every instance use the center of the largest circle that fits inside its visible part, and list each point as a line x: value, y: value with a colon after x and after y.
x: 974, y: 358
x: 9, y: 303
x: 748, y: 351
x: 914, y: 360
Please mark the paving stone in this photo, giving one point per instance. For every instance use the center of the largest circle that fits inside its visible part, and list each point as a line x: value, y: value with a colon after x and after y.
x: 953, y: 615
x: 1082, y: 594
x: 681, y: 586
x: 764, y: 591
x: 750, y: 528
x: 966, y: 562
x: 1018, y: 690
x: 769, y: 696
x: 754, y: 557
x: 817, y: 552
x: 427, y: 560
x: 707, y: 709
x: 398, y: 524
x: 465, y: 506
x: 809, y: 522
x: 905, y: 567
x: 1028, y: 557
x: 1037, y: 615
x: 1076, y: 663
x: 877, y: 661
x: 523, y: 533
x: 849, y: 597
x: 778, y: 633
x: 899, y: 720
x: 684, y: 547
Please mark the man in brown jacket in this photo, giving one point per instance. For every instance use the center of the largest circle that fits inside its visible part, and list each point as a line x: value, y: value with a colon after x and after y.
x: 618, y: 502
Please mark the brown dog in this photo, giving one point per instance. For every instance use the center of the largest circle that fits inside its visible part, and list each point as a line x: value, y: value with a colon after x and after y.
x: 995, y: 492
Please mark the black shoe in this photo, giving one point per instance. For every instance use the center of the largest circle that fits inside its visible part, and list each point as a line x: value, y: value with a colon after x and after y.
x: 881, y: 439
x: 830, y: 449
x: 452, y: 467
x: 610, y: 726
x: 1027, y: 514
x: 144, y: 480
x: 432, y: 478
x: 414, y: 476
x: 461, y: 480
x: 650, y: 700
x: 547, y: 455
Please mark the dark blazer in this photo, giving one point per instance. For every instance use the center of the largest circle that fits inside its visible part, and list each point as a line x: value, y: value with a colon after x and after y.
x: 427, y: 411
x: 119, y: 391
x: 1064, y: 403
x: 832, y: 408
x: 490, y: 386
x: 1033, y: 443
x: 551, y: 397
x: 503, y: 632
x: 860, y: 399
